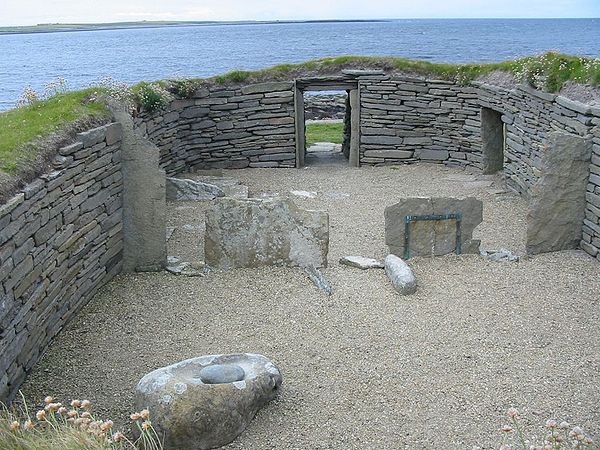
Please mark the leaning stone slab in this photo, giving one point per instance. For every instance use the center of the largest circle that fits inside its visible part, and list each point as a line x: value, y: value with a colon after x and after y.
x: 557, y: 208
x: 318, y: 279
x: 360, y: 262
x: 400, y: 275
x: 206, y: 402
x: 264, y: 232
x: 432, y: 237
x: 190, y: 190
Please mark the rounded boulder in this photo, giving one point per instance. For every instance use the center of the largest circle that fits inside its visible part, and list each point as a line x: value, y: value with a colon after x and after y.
x: 206, y: 402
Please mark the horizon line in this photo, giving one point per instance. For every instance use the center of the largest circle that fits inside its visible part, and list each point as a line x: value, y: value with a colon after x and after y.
x: 224, y: 21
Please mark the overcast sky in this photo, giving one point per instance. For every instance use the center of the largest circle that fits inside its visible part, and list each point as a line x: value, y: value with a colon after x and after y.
x: 30, y: 12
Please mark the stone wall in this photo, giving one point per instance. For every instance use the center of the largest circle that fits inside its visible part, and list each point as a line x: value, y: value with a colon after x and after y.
x: 404, y: 120
x: 591, y: 224
x: 530, y: 116
x: 250, y: 126
x: 60, y: 240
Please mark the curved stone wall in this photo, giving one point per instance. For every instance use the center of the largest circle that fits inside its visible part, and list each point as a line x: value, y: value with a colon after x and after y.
x: 222, y: 127
x: 62, y: 238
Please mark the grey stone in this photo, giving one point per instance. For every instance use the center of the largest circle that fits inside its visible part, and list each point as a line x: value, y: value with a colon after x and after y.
x: 395, y: 154
x: 361, y: 262
x: 222, y: 373
x: 194, y: 415
x: 436, y: 155
x: 189, y: 190
x: 144, y: 200
x: 558, y: 200
x: 262, y: 88
x: 92, y: 137
x: 318, y: 279
x: 381, y: 140
x: 400, y: 275
x: 499, y: 255
x: 259, y: 232
x: 432, y: 238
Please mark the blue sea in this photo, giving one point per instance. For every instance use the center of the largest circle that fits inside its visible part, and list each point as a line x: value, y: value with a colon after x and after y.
x: 82, y: 58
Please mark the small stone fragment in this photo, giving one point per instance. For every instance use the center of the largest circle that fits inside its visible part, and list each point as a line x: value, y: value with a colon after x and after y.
x: 304, y: 194
x: 361, y: 262
x: 318, y: 279
x: 499, y: 255
x: 400, y: 275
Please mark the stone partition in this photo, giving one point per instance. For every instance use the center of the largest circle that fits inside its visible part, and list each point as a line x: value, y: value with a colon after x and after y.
x: 405, y: 120
x: 224, y: 127
x: 529, y: 117
x: 60, y: 240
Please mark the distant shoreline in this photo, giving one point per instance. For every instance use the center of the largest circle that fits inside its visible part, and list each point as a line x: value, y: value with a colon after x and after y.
x: 70, y: 28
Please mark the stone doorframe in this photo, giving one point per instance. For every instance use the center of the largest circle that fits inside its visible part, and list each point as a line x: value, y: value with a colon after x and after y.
x: 303, y: 85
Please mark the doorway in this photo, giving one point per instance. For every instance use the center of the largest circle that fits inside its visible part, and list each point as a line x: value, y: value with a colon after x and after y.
x: 493, y: 140
x: 327, y: 142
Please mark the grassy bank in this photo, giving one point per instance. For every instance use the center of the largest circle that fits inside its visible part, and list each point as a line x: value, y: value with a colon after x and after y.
x: 40, y: 119
x: 30, y: 135
x: 324, y: 132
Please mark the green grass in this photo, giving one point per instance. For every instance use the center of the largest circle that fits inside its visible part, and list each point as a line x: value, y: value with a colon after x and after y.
x: 23, y: 125
x: 324, y: 132
x: 548, y: 71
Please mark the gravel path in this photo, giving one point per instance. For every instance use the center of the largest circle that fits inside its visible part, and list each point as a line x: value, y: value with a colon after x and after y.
x: 364, y: 368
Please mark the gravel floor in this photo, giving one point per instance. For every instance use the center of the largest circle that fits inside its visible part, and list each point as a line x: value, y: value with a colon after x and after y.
x: 364, y: 368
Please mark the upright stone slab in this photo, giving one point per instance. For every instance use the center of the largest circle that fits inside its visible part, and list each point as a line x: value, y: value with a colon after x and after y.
x: 144, y: 200
x: 557, y: 209
x: 435, y: 237
x: 263, y: 232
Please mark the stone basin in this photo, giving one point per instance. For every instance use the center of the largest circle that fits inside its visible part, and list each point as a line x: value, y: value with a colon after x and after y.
x: 206, y: 402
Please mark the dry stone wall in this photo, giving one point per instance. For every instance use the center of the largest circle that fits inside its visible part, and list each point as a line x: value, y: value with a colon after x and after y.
x: 250, y: 126
x: 404, y: 120
x: 530, y: 116
x: 60, y: 240
x: 591, y: 224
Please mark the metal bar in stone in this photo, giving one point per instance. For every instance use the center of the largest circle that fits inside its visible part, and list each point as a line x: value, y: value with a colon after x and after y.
x: 432, y: 217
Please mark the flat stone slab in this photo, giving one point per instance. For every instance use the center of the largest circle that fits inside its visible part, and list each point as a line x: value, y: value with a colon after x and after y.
x: 264, y: 232
x: 361, y: 262
x: 500, y: 255
x: 557, y: 210
x: 432, y: 237
x: 206, y: 402
x: 230, y: 186
x: 190, y: 190
x: 400, y: 275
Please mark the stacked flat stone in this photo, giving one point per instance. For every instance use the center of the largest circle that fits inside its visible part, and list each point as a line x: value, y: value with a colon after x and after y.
x: 405, y: 120
x: 529, y: 116
x: 232, y: 128
x: 60, y: 240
